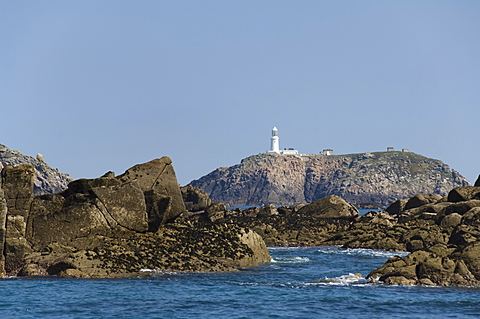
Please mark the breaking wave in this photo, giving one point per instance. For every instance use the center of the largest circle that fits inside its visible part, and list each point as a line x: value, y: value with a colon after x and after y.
x: 349, y: 279
x: 360, y: 252
x: 290, y: 260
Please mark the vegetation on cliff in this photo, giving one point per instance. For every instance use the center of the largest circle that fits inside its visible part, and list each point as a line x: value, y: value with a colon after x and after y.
x: 368, y: 178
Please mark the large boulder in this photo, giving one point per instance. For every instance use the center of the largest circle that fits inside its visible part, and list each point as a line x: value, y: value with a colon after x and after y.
x: 330, y: 207
x: 123, y: 206
x: 397, y: 207
x: 266, y: 211
x: 100, y: 206
x: 195, y: 199
x: 422, y: 199
x: 426, y: 267
x: 158, y: 175
x: 215, y: 212
x: 461, y: 207
x: 464, y: 193
x: 256, y: 244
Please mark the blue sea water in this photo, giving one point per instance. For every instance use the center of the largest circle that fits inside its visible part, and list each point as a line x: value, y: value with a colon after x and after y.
x: 280, y: 289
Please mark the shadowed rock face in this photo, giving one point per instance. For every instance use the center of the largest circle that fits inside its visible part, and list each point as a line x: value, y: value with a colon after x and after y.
x: 3, y: 231
x: 113, y: 226
x: 17, y: 185
x: 158, y: 176
x: 477, y: 182
x: 195, y: 199
x: 379, y: 178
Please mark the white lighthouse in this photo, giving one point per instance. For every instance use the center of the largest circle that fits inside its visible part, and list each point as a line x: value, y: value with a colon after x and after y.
x: 275, y: 143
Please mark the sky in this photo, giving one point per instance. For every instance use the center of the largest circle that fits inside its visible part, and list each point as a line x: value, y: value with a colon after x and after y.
x: 103, y: 85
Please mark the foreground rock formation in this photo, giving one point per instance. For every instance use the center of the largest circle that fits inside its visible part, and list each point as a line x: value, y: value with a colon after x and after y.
x: 303, y: 225
x: 46, y: 179
x: 370, y: 178
x: 444, y: 238
x: 113, y: 226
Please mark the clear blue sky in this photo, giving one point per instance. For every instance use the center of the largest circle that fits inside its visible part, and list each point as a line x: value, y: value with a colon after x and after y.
x: 106, y: 84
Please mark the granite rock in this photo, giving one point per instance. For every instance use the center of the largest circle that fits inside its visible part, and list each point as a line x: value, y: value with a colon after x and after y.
x: 377, y: 178
x: 114, y: 227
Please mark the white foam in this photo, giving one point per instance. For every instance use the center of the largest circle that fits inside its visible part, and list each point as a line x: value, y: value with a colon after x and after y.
x: 341, y: 280
x: 157, y: 273
x: 361, y: 252
x: 291, y: 260
x: 280, y: 248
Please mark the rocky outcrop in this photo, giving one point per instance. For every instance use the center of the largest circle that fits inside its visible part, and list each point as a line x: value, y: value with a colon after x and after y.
x: 443, y: 237
x: 379, y: 178
x: 114, y: 226
x: 158, y: 178
x: 329, y: 207
x: 195, y: 199
x: 442, y: 233
x: 3, y: 231
x: 46, y: 179
x: 17, y: 185
x: 178, y: 246
x: 305, y: 225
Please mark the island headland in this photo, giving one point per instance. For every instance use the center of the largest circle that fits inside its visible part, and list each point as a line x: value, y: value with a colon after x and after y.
x: 287, y: 178
x: 365, y: 180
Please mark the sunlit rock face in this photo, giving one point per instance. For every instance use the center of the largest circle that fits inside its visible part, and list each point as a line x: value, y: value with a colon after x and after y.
x: 370, y: 178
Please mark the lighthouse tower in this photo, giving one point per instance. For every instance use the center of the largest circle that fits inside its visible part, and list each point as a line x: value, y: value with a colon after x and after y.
x: 275, y: 143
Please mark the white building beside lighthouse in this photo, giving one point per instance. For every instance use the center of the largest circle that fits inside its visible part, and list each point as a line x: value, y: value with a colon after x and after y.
x: 275, y: 145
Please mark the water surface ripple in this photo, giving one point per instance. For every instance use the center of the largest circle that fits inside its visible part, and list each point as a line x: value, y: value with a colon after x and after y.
x: 281, y: 289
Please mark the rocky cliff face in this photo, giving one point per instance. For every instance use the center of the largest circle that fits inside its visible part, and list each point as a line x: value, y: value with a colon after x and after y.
x: 46, y: 179
x: 378, y: 178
